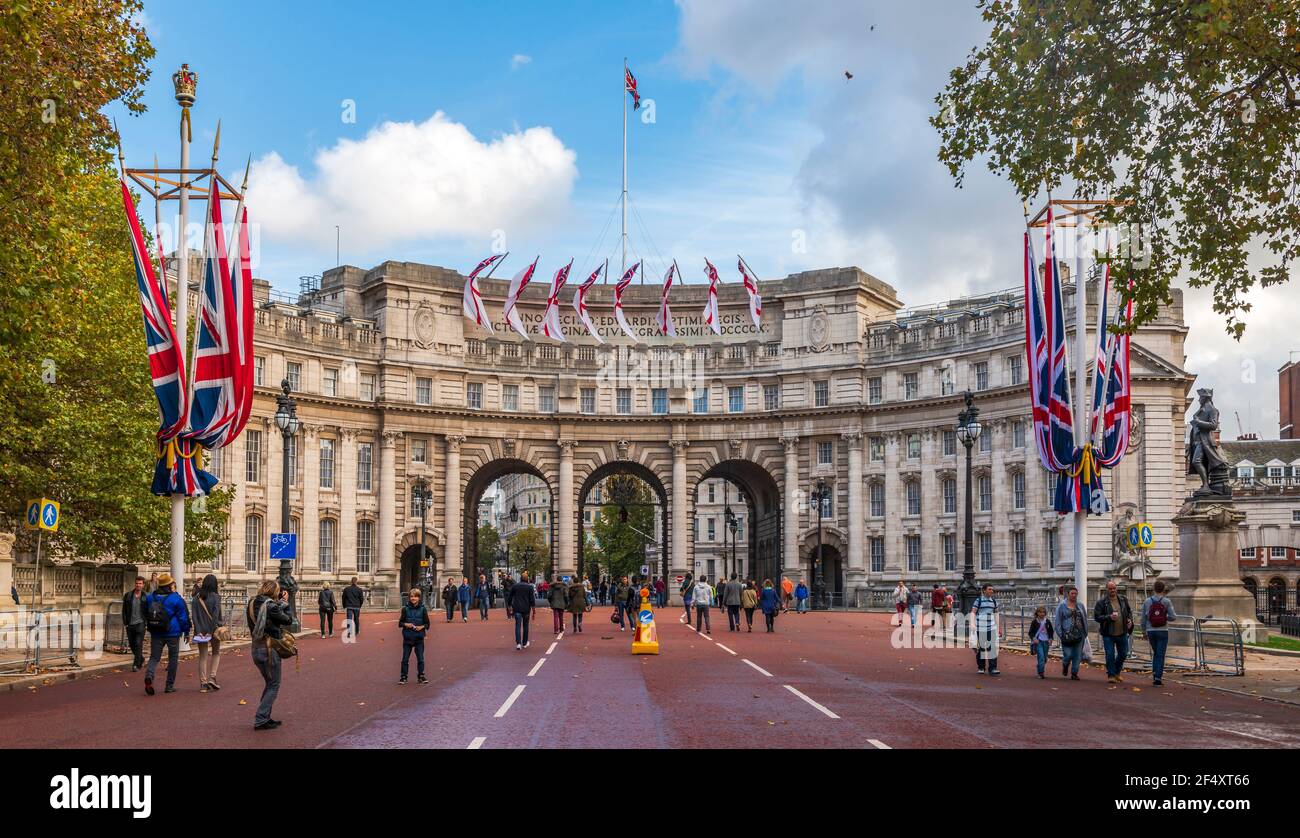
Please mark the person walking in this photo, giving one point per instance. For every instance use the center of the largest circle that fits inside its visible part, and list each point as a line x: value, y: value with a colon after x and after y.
x: 749, y: 601
x: 1157, y: 614
x: 1072, y: 630
x: 325, y: 602
x: 984, y: 616
x: 134, y: 604
x: 208, y: 620
x: 520, y: 605
x: 702, y: 597
x: 268, y: 614
x: 801, y: 598
x: 770, y: 602
x: 1041, y: 633
x: 787, y: 593
x: 449, y: 599
x: 731, y: 596
x: 462, y: 598
x: 688, y: 584
x: 507, y: 583
x: 483, y: 596
x: 558, y: 596
x: 1114, y: 615
x: 661, y: 592
x: 900, y: 601
x: 414, y: 622
x: 913, y: 603
x: 353, y: 599
x: 620, y: 601
x: 577, y: 606
x: 168, y: 620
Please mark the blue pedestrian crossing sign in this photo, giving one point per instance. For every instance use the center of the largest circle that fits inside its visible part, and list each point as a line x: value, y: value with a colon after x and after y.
x: 1140, y: 537
x: 284, y: 545
x: 43, y: 514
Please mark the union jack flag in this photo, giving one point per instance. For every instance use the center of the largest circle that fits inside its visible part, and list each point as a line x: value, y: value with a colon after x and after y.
x: 629, y: 84
x: 1111, y: 391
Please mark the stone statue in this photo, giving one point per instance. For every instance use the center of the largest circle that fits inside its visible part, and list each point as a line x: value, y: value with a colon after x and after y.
x: 1125, y: 558
x: 1204, y: 456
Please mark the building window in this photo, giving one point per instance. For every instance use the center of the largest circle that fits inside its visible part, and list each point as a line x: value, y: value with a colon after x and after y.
x: 424, y: 391
x: 1050, y: 539
x: 291, y: 448
x: 1018, y: 433
x: 875, y: 391
x: 1018, y: 547
x: 986, y: 493
x: 946, y: 384
x: 367, y: 387
x: 986, y: 551
x: 1015, y: 369
x: 327, y: 527
x: 365, y: 545
x: 828, y: 504
x: 659, y: 400
x: 771, y: 397
x: 950, y: 497
x: 821, y: 393
x: 877, y: 500
x: 712, y: 525
x: 1248, y: 553
x: 294, y: 374
x: 327, y: 464
x: 825, y: 453
x: 913, y: 497
x: 913, y: 446
x: 416, y: 503
x: 736, y: 399
x: 876, y: 447
x: 252, y: 456
x: 711, y: 496
x: 911, y: 387
x: 329, y: 382
x: 252, y: 541
x: 419, y: 450
x: 1018, y: 490
x: 700, y: 404
x: 214, y: 463
x: 914, y: 554
x: 259, y: 370
x: 982, y: 375
x: 986, y: 442
x: 1295, y: 516
x: 949, y: 552
x: 877, y: 555
x: 949, y: 443
x: 623, y: 400
x: 587, y: 400
x: 365, y: 466
x: 510, y: 397
x: 474, y: 395
x: 546, y: 399
x: 1277, y: 553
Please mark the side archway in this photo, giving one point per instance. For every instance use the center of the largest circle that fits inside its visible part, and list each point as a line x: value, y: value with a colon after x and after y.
x: 645, y: 475
x: 762, y: 499
x: 479, y: 481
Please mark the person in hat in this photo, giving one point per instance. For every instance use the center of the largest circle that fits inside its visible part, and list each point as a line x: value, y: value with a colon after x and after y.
x: 168, y: 620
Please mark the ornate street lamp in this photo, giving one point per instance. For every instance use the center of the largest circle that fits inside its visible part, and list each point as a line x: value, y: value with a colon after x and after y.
x: 819, y: 496
x: 286, y: 419
x: 423, y: 498
x: 729, y: 519
x: 968, y: 431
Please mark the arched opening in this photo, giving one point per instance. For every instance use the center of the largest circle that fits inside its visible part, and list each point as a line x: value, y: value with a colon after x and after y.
x: 413, y: 574
x: 1253, y: 587
x: 832, y: 574
x: 511, y: 504
x: 738, y: 500
x: 1276, y: 597
x: 622, y: 513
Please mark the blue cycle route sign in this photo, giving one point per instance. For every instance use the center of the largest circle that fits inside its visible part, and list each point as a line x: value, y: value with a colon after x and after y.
x: 284, y: 545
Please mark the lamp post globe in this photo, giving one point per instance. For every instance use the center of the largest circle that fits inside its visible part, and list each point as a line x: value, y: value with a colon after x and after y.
x: 968, y: 431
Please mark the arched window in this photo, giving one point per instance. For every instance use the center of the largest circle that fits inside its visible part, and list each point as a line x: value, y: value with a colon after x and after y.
x: 252, y: 542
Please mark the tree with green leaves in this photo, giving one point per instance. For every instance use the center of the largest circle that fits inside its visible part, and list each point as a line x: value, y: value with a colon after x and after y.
x: 489, y: 545
x: 1188, y: 111
x: 538, y: 562
x: 622, y: 541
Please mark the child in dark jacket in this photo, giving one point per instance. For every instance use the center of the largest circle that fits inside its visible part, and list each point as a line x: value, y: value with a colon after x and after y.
x: 1041, y: 634
x: 414, y: 621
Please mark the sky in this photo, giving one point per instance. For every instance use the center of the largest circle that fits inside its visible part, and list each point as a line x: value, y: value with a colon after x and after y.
x: 441, y: 132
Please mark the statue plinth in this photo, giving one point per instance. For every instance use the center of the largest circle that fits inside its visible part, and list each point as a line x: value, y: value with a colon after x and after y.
x: 1209, y: 582
x: 6, y: 568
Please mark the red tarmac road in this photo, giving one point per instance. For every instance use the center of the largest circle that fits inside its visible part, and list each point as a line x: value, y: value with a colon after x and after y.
x: 823, y: 680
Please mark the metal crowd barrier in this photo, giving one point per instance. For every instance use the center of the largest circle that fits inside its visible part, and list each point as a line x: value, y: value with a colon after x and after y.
x: 45, y: 637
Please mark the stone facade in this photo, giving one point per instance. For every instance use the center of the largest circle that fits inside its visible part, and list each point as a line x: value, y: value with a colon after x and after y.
x: 1266, y: 489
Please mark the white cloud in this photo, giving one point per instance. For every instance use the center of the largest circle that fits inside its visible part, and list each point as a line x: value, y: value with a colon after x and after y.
x: 408, y: 182
x: 518, y: 60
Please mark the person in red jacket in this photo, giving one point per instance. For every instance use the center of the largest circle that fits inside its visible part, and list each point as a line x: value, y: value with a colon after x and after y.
x: 661, y: 592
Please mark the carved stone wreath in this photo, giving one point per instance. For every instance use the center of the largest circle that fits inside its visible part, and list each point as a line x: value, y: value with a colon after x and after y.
x: 423, y: 326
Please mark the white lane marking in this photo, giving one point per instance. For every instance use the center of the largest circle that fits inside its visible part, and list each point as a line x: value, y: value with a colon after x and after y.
x: 552, y: 649
x: 536, y: 667
x: 504, y: 708
x: 756, y: 666
x: 559, y: 637
x: 724, y: 648
x: 691, y: 627
x: 476, y: 743
x: 810, y: 701
x: 876, y: 743
x: 1213, y: 727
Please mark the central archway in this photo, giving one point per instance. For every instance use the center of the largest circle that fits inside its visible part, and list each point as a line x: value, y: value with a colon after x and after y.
x: 478, y: 483
x: 645, y: 475
x: 762, y: 501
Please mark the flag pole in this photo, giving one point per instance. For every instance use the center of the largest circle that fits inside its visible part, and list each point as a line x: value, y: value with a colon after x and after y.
x: 182, y: 322
x: 492, y: 269
x: 625, y: 91
x: 1080, y: 406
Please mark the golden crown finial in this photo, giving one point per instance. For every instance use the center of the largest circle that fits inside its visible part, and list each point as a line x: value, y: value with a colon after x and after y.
x: 186, y: 81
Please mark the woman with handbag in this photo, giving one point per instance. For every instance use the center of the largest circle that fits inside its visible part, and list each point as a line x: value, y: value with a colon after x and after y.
x: 770, y: 601
x: 268, y: 614
x: 209, y: 631
x: 577, y: 606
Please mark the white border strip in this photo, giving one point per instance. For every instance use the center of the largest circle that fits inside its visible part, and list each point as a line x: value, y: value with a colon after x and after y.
x: 761, y: 670
x: 724, y: 648
x: 536, y: 667
x: 880, y: 745
x: 505, y: 708
x: 476, y: 743
x: 810, y: 701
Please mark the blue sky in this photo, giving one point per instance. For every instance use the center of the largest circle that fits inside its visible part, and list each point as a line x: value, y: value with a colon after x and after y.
x: 759, y: 144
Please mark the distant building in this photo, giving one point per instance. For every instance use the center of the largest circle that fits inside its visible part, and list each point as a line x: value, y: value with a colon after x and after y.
x: 1288, y: 385
x: 1266, y: 486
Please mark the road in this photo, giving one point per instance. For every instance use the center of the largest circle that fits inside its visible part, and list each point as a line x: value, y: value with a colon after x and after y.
x: 823, y: 680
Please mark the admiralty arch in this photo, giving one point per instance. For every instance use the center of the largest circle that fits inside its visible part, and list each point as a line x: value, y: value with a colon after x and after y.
x: 840, y: 387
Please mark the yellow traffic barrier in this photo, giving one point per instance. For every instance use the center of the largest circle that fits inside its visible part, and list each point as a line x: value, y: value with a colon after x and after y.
x: 645, y: 639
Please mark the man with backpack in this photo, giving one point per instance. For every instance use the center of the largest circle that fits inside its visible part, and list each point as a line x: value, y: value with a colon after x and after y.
x: 353, y: 599
x: 268, y: 616
x: 1114, y: 616
x: 168, y: 620
x: 1157, y: 614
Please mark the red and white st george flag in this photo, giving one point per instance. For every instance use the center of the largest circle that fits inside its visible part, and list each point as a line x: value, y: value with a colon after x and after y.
x: 551, y: 319
x: 580, y: 300
x: 619, y: 287
x: 474, y: 308
x: 751, y: 288
x: 665, y: 316
x: 517, y: 285
x: 711, y: 306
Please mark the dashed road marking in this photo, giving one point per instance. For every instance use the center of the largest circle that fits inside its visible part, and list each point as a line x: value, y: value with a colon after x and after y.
x: 536, y: 667
x: 760, y: 669
x: 559, y: 636
x: 505, y: 708
x: 810, y: 701
x: 724, y: 648
x: 476, y: 743
x: 876, y: 743
x: 553, y: 645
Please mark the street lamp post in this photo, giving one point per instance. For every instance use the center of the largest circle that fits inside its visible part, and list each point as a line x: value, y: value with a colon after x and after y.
x: 819, y: 496
x: 968, y: 431
x: 734, y: 526
x: 420, y: 488
x: 286, y: 419
x: 727, y: 518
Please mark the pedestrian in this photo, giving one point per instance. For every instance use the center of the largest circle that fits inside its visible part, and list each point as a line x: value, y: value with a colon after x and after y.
x: 168, y: 620
x: 353, y: 599
x: 558, y: 596
x: 483, y: 596
x: 770, y: 602
x: 731, y: 598
x: 1157, y: 614
x: 900, y: 601
x: 449, y: 599
x: 414, y: 621
x: 801, y: 597
x: 603, y: 591
x: 620, y: 601
x: 936, y: 608
x: 268, y: 613
x: 787, y: 592
x: 1114, y: 615
x: 913, y: 603
x: 577, y: 606
x: 749, y: 601
x: 208, y: 623
x: 462, y: 597
x: 133, y: 614
x: 702, y: 597
x: 520, y: 604
x: 1041, y: 633
x: 325, y: 602
x: 661, y: 592
x: 984, y: 617
x: 687, y: 585
x: 1072, y: 630
x: 507, y: 584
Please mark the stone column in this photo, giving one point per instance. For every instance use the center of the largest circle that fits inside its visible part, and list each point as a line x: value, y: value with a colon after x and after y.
x: 790, y: 563
x: 566, y: 560
x: 385, y: 549
x: 309, y: 525
x: 680, y: 555
x: 346, y: 475
x: 453, y: 558
x: 857, y: 560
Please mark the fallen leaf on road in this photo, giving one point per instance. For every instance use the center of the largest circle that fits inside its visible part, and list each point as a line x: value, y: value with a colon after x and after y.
x: 1137, y: 689
x: 361, y: 704
x: 242, y: 702
x: 126, y: 683
x: 978, y: 687
x: 772, y: 723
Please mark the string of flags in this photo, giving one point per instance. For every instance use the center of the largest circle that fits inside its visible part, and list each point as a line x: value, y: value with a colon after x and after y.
x: 477, y: 313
